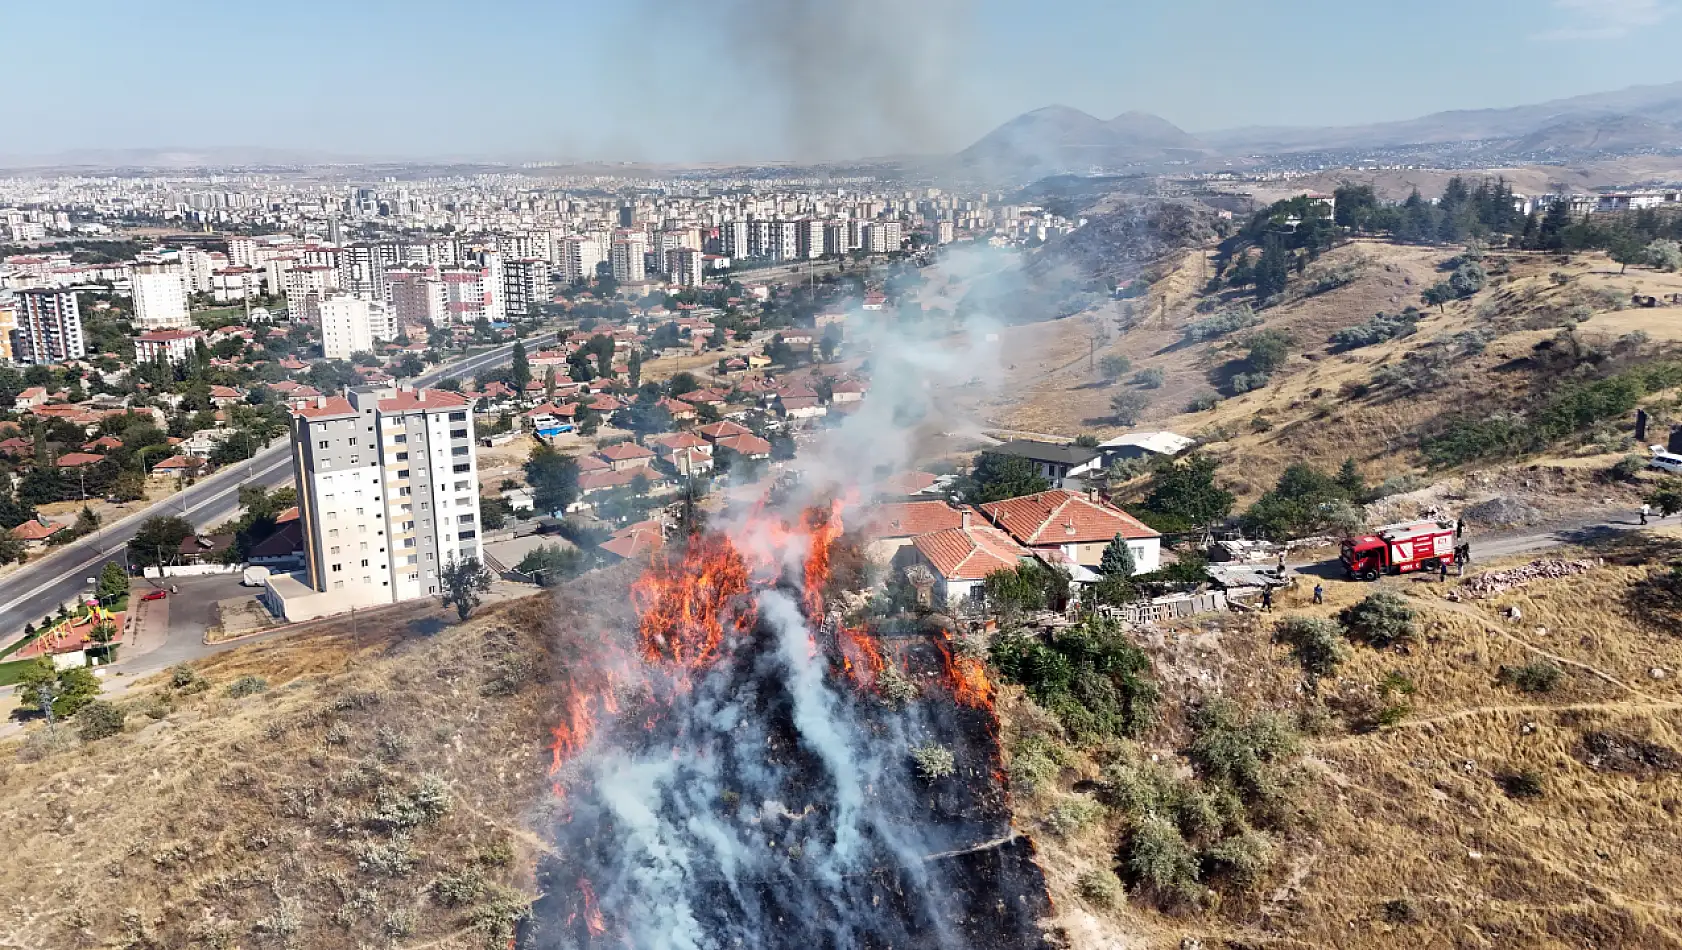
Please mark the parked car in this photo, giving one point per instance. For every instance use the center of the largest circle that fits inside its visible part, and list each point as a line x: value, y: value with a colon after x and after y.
x: 156, y: 595
x: 1668, y: 462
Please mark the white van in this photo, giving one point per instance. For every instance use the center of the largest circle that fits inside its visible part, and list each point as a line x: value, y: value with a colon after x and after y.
x: 1665, y: 461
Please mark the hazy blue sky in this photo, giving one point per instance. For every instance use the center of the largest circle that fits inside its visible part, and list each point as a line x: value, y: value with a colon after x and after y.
x: 742, y: 79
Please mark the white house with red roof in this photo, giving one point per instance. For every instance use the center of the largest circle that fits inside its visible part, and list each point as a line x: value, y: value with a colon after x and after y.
x: 1073, y: 528
x: 961, y: 557
x: 623, y: 456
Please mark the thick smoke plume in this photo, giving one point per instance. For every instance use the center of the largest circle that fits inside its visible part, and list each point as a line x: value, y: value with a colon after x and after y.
x: 729, y: 774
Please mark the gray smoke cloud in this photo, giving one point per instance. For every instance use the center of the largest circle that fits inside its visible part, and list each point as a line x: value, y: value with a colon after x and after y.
x: 850, y: 78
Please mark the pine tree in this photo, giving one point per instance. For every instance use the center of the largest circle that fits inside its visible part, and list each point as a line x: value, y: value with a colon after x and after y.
x: 633, y: 366
x: 1350, y: 481
x: 520, y: 368
x: 1118, y: 559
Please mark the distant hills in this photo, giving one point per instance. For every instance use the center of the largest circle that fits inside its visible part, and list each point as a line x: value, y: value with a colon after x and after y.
x: 1060, y: 138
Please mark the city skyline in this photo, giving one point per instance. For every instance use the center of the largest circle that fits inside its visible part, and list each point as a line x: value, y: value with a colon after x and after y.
x: 767, y: 81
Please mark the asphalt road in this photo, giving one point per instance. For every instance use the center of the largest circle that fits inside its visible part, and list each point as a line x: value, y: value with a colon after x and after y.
x: 36, y: 590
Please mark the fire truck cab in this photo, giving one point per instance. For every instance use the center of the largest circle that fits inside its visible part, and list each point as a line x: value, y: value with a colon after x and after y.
x: 1403, y: 548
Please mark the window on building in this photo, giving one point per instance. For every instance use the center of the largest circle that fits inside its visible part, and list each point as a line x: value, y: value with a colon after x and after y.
x: 364, y: 546
x: 402, y: 456
x: 364, y: 562
x: 323, y: 444
x: 463, y: 469
x: 338, y: 567
x: 462, y: 486
x: 359, y: 512
x: 338, y: 585
x: 408, y: 542
x: 465, y: 519
x: 429, y: 555
x: 353, y: 440
x: 400, y: 439
x: 459, y: 450
x: 407, y: 526
x: 468, y: 535
x: 403, y: 473
x: 332, y: 532
x: 403, y: 492
x: 458, y: 417
x: 458, y: 433
x: 333, y: 550
x: 355, y: 461
x: 426, y: 505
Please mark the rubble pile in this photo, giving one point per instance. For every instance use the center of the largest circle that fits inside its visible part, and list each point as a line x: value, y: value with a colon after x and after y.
x: 1493, y: 583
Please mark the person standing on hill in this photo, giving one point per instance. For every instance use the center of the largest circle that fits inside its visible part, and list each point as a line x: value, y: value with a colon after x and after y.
x: 1646, y: 510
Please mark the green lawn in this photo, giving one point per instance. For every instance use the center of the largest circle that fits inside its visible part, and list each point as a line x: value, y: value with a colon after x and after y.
x: 11, y: 672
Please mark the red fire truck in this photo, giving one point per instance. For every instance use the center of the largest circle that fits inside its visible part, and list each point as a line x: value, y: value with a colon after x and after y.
x: 1403, y: 548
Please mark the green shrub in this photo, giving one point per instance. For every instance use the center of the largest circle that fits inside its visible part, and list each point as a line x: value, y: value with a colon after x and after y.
x: 247, y: 686
x: 98, y: 720
x: 386, y: 859
x: 1159, y: 859
x: 459, y: 889
x: 1537, y: 676
x: 1035, y: 762
x: 1127, y: 407
x: 1150, y: 378
x: 1090, y: 676
x: 1522, y: 783
x: 1100, y: 887
x: 933, y: 761
x: 1381, y: 620
x: 1221, y: 324
x: 1316, y: 643
x: 1240, y: 752
x: 1243, y: 858
x: 1071, y: 814
x: 895, y: 687
x: 1382, y: 327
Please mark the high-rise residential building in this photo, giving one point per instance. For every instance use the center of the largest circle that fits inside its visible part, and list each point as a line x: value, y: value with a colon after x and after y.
x: 49, y: 327
x: 944, y: 232
x: 362, y: 271
x: 160, y: 297
x: 418, y: 298
x: 387, y: 498
x: 880, y: 237
x: 470, y: 293
x: 525, y: 284
x: 683, y: 266
x: 835, y: 238
x: 628, y: 261
x: 242, y: 252
x: 759, y: 237
x: 733, y: 238
x: 8, y: 324
x: 305, y: 287
x: 784, y: 240
x: 197, y: 268
x: 578, y: 257
x: 808, y: 238
x: 351, y: 324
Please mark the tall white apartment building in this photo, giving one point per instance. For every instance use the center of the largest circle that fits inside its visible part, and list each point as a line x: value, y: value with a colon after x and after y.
x: 808, y: 238
x: 684, y: 265
x: 733, y: 238
x: 351, y: 324
x: 784, y: 240
x: 471, y: 293
x: 198, y: 266
x: 387, y: 497
x: 49, y: 327
x: 305, y: 287
x: 880, y: 237
x: 160, y: 297
x: 836, y: 238
x: 628, y: 260
x: 362, y: 271
x: 242, y: 252
x: 525, y: 283
x: 577, y: 258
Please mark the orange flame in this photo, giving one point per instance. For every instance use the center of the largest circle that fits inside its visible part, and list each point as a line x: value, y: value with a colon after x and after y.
x: 592, y: 914
x: 966, y: 675
x: 682, y: 601
x: 861, y: 656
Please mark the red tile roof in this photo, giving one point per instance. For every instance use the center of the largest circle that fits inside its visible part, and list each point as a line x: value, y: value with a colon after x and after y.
x: 906, y: 483
x: 1060, y: 516
x: 749, y: 444
x: 677, y: 440
x: 36, y: 530
x: 624, y: 452
x: 636, y: 540
x: 719, y: 430
x: 290, y: 514
x: 911, y: 518
x: 969, y: 554
x: 318, y: 409
x: 78, y: 459
x: 423, y: 399
x: 590, y: 481
x: 590, y: 463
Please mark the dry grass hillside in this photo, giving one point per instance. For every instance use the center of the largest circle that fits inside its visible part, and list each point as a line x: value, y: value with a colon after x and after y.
x: 369, y: 788
x: 1434, y: 800
x: 1322, y: 406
